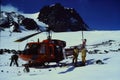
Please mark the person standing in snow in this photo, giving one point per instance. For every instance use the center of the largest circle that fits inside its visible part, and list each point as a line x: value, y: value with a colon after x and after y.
x: 26, y: 69
x: 75, y: 55
x: 83, y: 52
x: 14, y: 60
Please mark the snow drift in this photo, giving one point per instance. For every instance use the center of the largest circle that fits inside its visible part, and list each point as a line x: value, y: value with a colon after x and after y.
x: 102, y: 45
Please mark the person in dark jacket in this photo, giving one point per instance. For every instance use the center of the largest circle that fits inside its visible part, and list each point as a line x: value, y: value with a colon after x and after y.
x: 26, y: 69
x: 14, y: 60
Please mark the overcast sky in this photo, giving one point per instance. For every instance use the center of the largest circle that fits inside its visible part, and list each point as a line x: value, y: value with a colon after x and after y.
x: 98, y: 14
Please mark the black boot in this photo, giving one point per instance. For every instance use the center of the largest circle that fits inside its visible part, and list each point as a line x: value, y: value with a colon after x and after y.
x: 83, y: 64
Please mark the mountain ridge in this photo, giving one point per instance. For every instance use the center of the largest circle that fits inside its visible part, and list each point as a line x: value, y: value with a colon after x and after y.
x: 67, y: 19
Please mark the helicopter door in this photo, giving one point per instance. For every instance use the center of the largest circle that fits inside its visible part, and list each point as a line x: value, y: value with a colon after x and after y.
x: 58, y: 52
x: 59, y: 49
x: 42, y: 49
x: 51, y: 50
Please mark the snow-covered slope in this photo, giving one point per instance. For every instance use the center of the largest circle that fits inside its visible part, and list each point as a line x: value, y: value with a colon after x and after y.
x: 96, y: 40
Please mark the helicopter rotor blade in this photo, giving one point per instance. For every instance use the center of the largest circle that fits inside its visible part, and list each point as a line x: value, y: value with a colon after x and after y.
x: 26, y: 37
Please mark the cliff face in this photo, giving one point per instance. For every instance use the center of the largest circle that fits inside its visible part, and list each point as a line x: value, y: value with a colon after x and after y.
x: 61, y: 19
x: 9, y: 19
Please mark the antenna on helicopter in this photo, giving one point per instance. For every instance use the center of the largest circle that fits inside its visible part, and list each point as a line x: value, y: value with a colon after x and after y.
x: 49, y: 33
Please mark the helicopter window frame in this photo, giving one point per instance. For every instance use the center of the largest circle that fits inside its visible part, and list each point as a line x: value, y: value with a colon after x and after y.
x: 51, y: 49
x: 42, y: 49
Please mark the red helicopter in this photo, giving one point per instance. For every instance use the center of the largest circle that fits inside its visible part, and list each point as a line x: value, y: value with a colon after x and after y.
x: 38, y: 53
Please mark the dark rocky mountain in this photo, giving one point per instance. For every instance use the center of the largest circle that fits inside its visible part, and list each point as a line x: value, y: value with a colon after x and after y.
x: 30, y: 24
x: 60, y: 18
x: 8, y: 19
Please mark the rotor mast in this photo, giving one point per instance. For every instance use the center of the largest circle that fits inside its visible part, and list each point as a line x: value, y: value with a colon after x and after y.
x: 49, y: 33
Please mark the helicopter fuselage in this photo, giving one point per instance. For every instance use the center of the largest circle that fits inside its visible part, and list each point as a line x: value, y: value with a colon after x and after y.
x: 42, y: 52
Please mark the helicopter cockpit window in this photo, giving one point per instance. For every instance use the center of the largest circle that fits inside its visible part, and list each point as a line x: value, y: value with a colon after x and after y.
x: 42, y: 49
x: 34, y: 46
x: 27, y: 46
x: 31, y: 46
